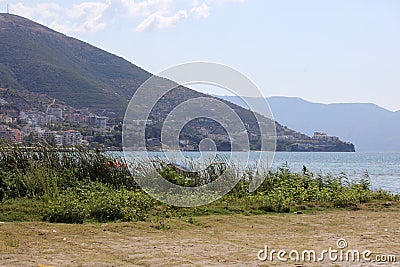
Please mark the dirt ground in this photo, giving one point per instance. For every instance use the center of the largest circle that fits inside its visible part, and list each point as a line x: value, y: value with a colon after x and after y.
x: 216, y: 240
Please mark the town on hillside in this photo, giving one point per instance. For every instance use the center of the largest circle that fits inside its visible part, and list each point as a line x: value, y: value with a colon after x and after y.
x: 58, y: 125
x: 44, y: 119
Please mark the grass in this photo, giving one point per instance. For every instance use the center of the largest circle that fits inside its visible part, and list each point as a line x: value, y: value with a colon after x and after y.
x: 23, y: 209
x: 86, y: 186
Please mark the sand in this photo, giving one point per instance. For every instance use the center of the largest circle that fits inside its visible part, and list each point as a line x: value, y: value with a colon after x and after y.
x: 214, y: 240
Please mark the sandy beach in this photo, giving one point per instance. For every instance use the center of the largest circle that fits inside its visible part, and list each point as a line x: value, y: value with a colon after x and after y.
x: 215, y: 240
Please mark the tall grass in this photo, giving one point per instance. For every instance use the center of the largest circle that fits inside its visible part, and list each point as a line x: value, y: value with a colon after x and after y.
x: 46, y: 171
x: 82, y: 185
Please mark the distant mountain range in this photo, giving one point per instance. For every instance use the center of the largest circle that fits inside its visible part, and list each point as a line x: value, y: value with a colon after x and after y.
x: 368, y: 126
x: 35, y: 59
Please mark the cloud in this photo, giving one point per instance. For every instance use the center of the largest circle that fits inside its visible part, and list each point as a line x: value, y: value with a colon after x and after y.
x: 202, y: 11
x: 42, y: 10
x: 86, y: 17
x: 95, y: 15
x: 146, y: 8
x: 158, y: 21
x: 221, y: 2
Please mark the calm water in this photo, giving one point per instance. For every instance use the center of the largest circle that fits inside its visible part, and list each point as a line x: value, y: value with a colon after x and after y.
x: 383, y: 168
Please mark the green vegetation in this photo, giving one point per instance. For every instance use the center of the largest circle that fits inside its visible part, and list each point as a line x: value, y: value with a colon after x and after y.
x: 90, y: 186
x: 39, y: 59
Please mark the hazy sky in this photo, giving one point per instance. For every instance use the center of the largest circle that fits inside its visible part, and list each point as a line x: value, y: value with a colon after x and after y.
x: 321, y: 50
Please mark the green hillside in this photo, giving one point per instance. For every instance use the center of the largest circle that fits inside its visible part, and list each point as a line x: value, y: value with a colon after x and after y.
x: 38, y: 59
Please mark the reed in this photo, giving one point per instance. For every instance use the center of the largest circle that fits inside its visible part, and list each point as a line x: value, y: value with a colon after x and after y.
x: 78, y: 185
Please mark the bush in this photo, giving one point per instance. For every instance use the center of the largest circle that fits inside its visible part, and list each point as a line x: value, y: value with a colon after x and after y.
x: 66, y: 209
x: 94, y: 201
x: 37, y: 181
x: 123, y: 205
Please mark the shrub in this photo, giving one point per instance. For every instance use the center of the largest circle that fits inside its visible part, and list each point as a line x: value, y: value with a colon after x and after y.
x: 94, y: 201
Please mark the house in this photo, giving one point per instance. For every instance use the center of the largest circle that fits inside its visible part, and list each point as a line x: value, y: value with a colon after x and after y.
x: 57, y: 112
x: 324, y: 137
x: 10, y: 134
x: 71, y: 137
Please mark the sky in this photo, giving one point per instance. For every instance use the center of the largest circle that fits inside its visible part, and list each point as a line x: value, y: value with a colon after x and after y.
x: 323, y: 51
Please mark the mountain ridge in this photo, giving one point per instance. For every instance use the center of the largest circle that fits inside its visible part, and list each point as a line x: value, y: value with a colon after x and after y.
x: 329, y: 104
x: 369, y: 126
x: 44, y: 51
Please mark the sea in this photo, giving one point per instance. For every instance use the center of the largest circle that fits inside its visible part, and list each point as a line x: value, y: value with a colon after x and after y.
x: 383, y: 168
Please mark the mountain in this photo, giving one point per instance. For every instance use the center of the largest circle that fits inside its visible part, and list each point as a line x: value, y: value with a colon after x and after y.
x: 37, y: 61
x: 368, y: 126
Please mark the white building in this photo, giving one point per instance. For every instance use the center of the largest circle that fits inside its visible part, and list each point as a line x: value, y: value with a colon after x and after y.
x: 58, y: 112
x: 324, y: 137
x: 71, y: 137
